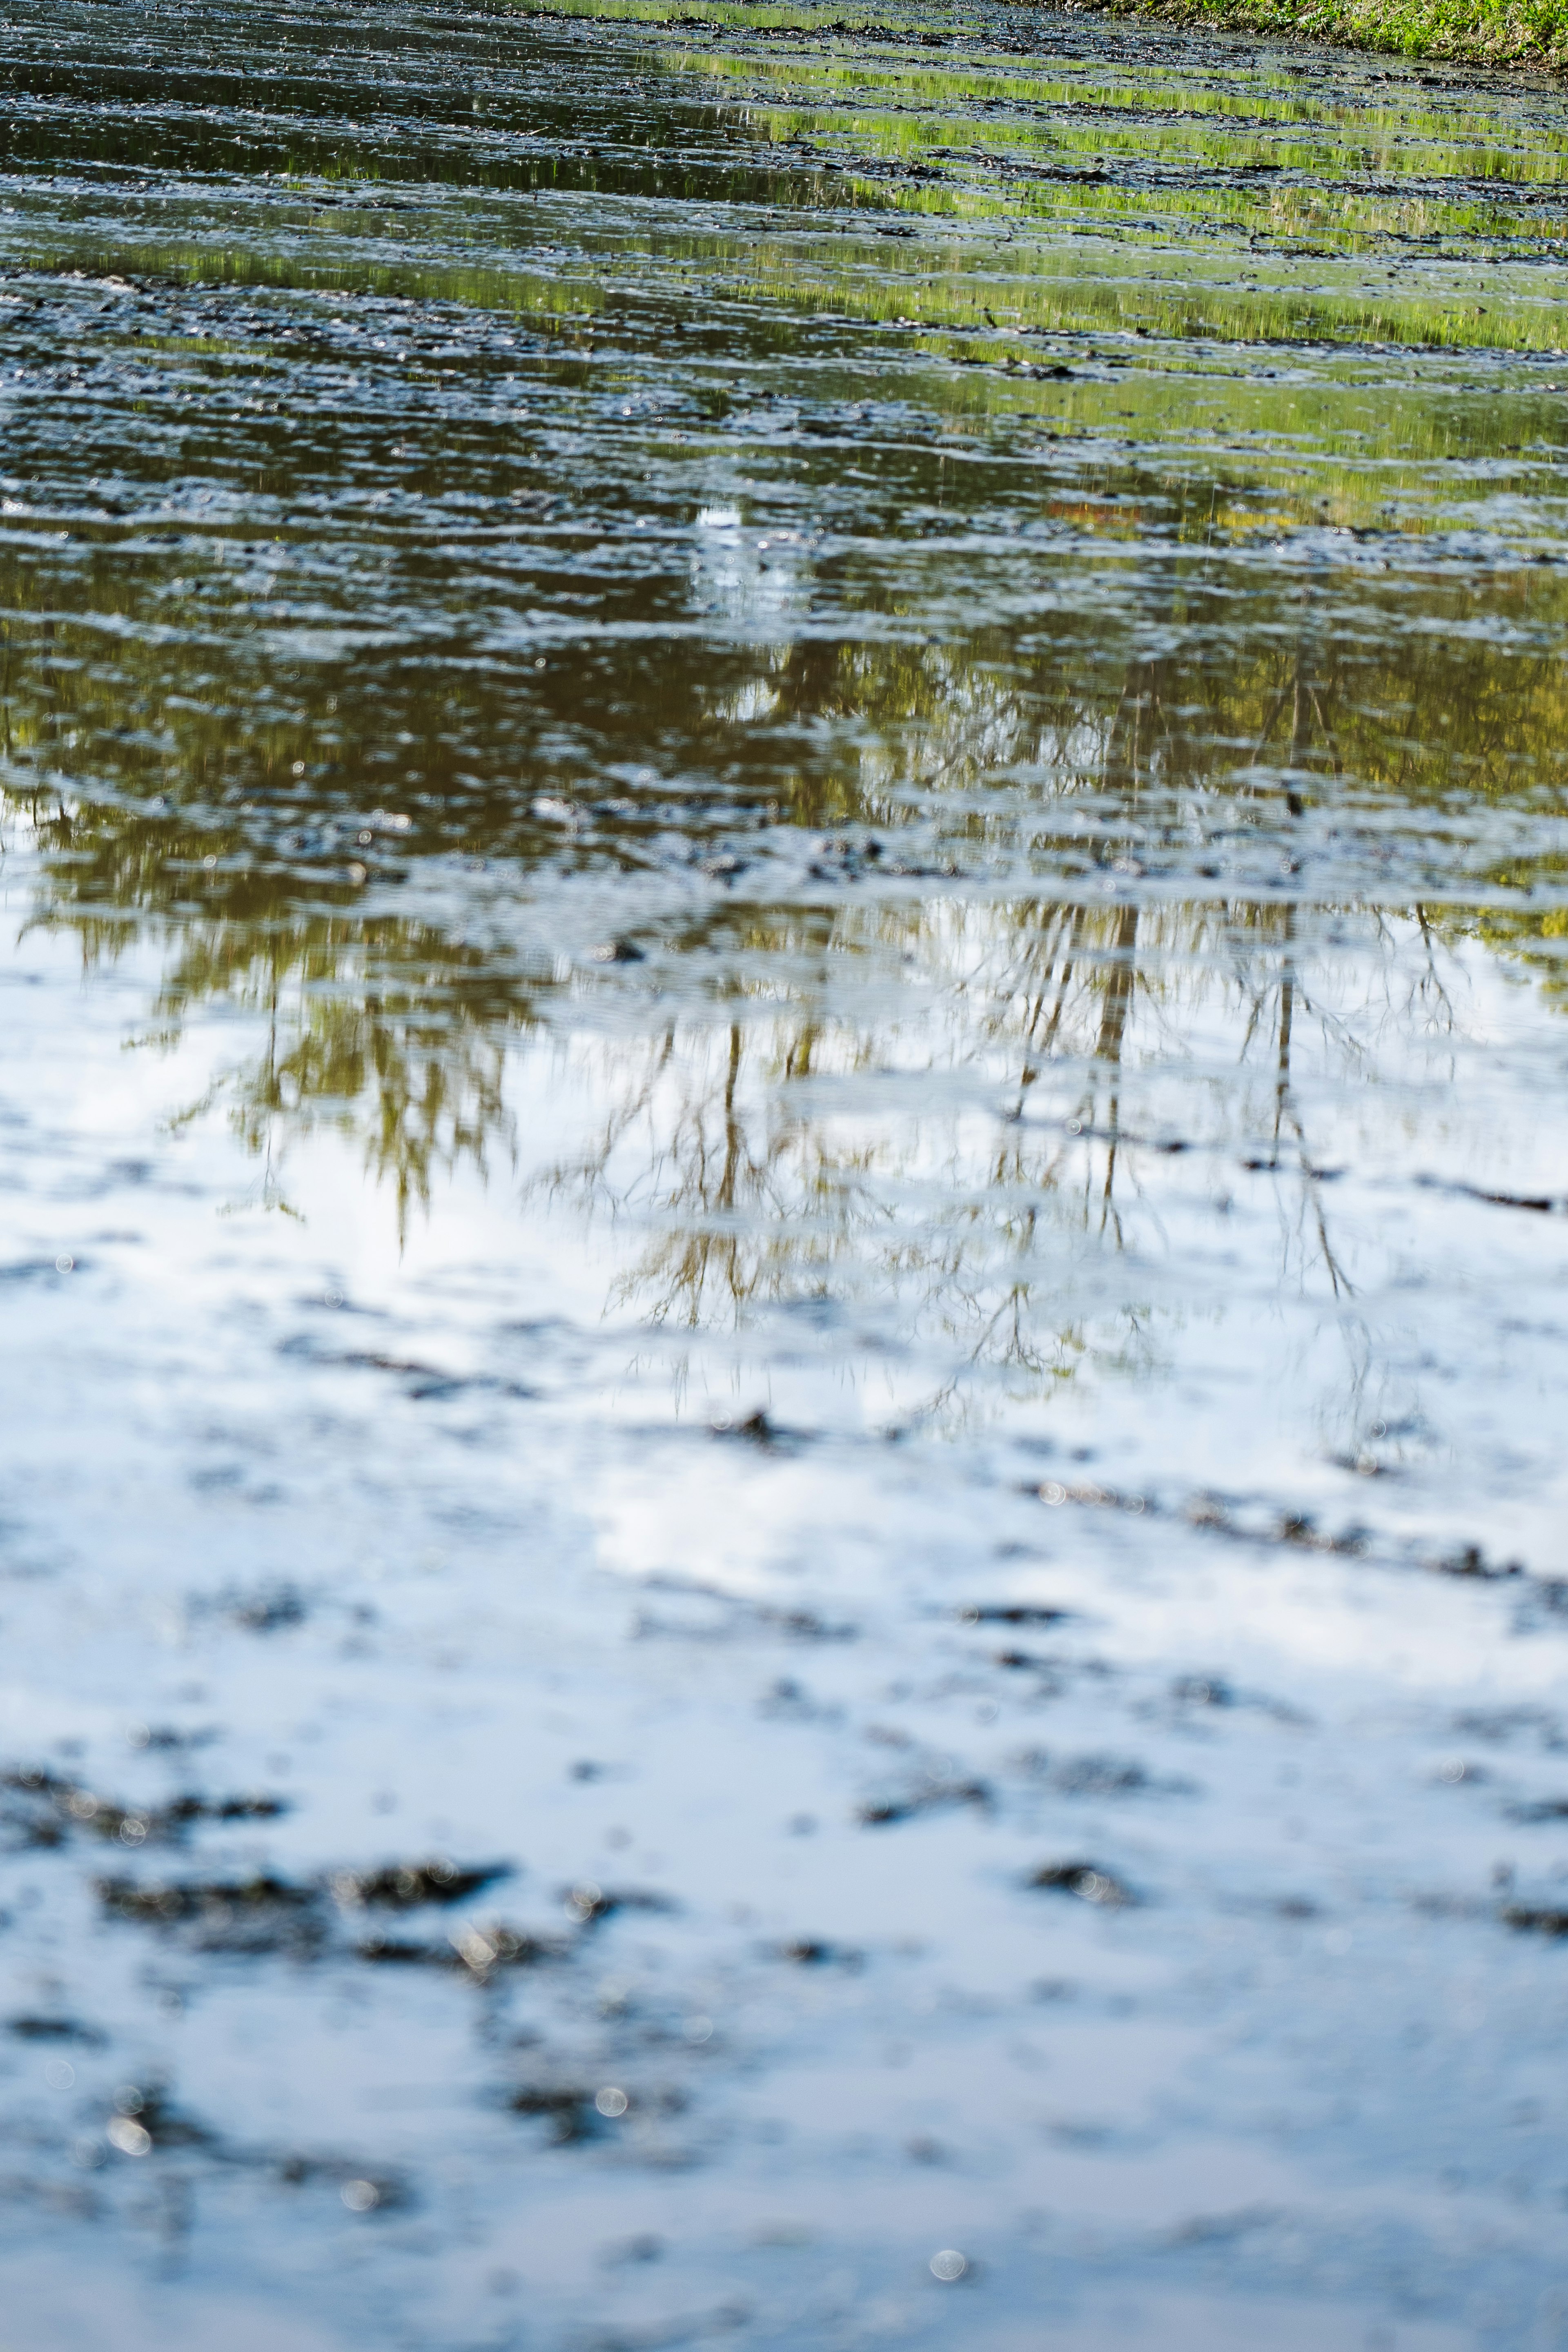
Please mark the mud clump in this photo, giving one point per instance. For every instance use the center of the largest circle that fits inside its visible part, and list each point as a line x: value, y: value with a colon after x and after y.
x: 273, y: 1609
x: 265, y: 1913
x: 1469, y: 1559
x: 476, y: 1952
x: 805, y: 1625
x: 54, y: 2029
x: 144, y: 2119
x: 54, y: 1807
x: 260, y: 1913
x: 361, y: 2191
x: 570, y: 2112
x: 408, y: 1885
x: 887, y: 1813
x: 1202, y: 1690
x: 1012, y: 1613
x: 194, y: 1899
x: 1101, y: 1775
x: 1087, y: 1880
x: 185, y: 1810
x: 756, y: 1429
x: 588, y: 1904
x: 483, y: 1950
x: 575, y: 2114
x: 395, y: 1951
x: 1538, y: 1919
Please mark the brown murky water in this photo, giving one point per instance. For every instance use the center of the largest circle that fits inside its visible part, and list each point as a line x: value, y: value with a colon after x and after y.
x: 782, y: 1118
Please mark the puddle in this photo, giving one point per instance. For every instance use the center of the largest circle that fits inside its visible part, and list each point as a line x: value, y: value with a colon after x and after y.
x: 785, y: 862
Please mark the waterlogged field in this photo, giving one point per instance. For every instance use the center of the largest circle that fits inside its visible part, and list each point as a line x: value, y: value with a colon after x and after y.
x: 783, y: 1127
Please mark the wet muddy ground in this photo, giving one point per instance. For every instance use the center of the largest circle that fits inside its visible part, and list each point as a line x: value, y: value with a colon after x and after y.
x: 782, y: 1117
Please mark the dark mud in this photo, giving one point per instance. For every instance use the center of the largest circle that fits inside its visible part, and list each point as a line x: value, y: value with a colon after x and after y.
x: 785, y: 846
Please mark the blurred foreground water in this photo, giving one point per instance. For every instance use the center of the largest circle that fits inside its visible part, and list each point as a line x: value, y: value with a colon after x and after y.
x: 782, y: 1115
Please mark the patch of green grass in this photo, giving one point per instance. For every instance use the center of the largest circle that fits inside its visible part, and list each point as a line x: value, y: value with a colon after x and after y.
x: 1531, y: 33
x: 725, y: 15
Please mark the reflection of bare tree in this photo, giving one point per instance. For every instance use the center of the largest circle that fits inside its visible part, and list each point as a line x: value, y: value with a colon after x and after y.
x: 383, y: 1030
x: 1286, y: 1116
x: 757, y: 1165
x: 757, y: 1158
x: 366, y: 1032
x: 742, y: 1201
x: 1117, y: 999
x: 1086, y: 758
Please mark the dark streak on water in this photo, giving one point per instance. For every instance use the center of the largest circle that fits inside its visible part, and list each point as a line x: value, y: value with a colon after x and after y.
x: 781, y: 1110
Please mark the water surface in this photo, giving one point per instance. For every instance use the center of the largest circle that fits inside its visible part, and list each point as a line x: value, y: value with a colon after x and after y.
x: 785, y: 866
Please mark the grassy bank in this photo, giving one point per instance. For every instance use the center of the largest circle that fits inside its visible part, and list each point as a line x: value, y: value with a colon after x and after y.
x: 1524, y: 33
x: 1529, y: 33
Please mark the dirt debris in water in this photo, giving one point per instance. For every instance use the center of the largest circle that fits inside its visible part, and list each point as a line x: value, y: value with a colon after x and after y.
x: 783, y: 815
x: 409, y: 1885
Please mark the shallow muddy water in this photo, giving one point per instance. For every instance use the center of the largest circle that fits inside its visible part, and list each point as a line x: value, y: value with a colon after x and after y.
x: 783, y: 1114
